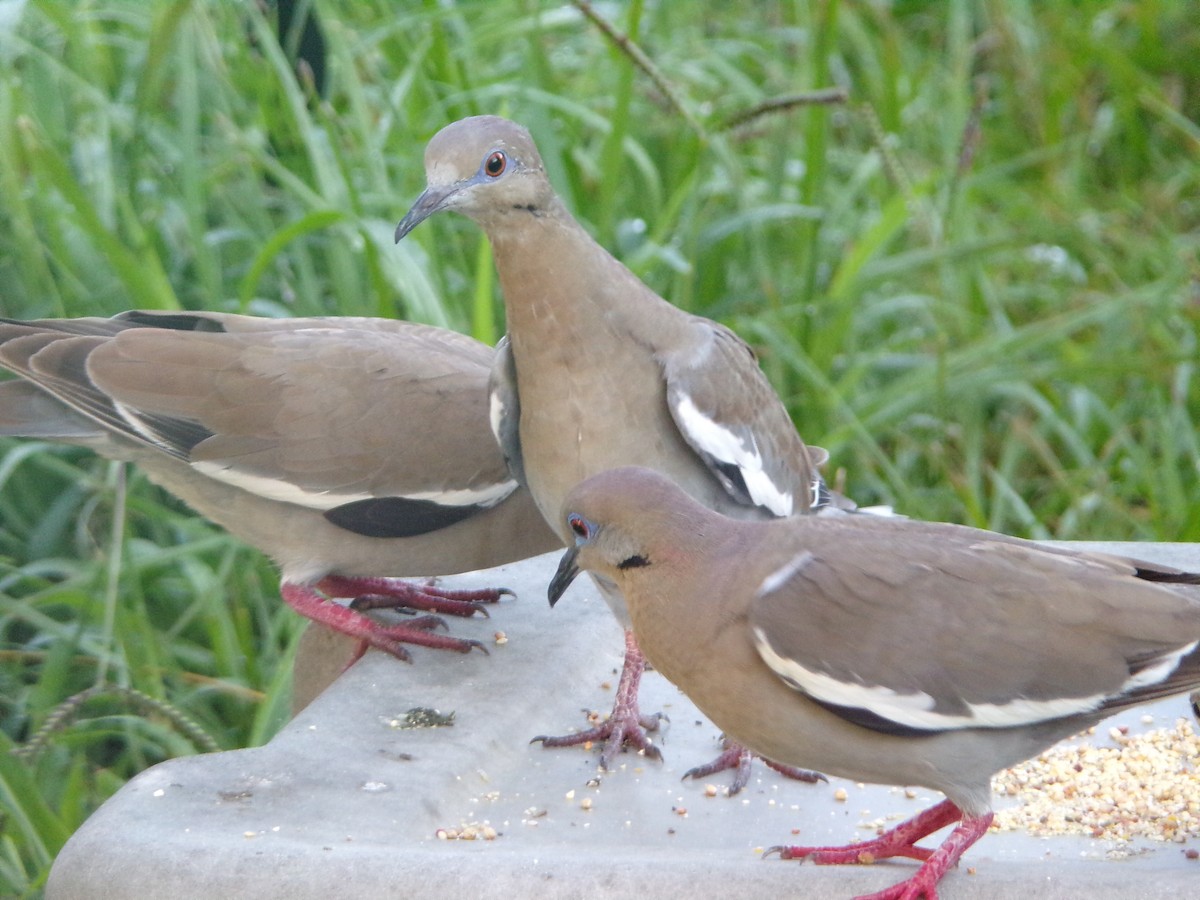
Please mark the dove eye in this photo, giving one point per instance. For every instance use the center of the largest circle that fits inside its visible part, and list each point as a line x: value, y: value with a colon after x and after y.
x: 495, y: 164
x: 578, y: 526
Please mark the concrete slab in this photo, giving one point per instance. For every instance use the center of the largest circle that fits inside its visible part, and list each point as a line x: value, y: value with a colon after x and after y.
x: 345, y: 802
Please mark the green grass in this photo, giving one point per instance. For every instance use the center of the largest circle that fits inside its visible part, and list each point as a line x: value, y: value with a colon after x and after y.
x: 975, y: 281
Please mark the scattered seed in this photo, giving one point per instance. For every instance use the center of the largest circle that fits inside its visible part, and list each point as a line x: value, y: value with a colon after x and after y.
x: 1145, y: 787
x: 472, y: 831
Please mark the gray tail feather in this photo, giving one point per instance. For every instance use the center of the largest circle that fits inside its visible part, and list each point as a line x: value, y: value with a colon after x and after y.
x: 28, y: 411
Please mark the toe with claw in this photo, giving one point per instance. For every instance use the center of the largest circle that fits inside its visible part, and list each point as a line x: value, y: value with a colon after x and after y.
x: 736, y: 757
x: 625, y: 725
x: 902, y: 841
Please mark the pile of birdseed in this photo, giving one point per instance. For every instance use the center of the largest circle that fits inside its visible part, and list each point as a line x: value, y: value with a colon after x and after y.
x: 1145, y: 786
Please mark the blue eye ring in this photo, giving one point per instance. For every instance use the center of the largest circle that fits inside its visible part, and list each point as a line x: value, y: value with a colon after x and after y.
x: 495, y: 164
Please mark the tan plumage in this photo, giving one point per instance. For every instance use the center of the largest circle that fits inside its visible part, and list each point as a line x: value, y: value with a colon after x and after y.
x: 884, y: 650
x: 309, y: 439
x: 604, y: 371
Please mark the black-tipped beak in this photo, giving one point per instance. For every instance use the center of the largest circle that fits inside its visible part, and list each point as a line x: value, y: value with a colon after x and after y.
x: 567, y: 570
x: 433, y: 200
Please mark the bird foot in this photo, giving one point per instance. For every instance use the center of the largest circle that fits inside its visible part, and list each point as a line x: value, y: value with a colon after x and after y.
x: 736, y: 757
x: 391, y: 638
x: 388, y: 638
x: 622, y: 728
x: 625, y: 724
x: 901, y: 841
x: 393, y: 593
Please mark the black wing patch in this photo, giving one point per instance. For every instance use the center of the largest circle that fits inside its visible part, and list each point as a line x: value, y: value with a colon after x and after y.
x: 397, y: 517
x: 170, y: 321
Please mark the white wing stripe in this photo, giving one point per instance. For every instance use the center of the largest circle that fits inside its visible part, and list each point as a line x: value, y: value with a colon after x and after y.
x: 286, y: 492
x: 915, y: 709
x: 1160, y: 671
x: 783, y: 574
x: 135, y: 421
x: 722, y: 444
x: 496, y: 413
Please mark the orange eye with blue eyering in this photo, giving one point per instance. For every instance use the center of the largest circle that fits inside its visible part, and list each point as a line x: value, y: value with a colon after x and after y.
x: 495, y: 164
x: 578, y: 526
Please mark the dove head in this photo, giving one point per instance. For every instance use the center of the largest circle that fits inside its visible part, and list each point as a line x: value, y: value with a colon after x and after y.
x: 484, y: 167
x: 625, y: 522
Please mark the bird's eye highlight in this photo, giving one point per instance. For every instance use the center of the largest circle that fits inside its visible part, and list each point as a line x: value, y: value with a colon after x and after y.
x: 495, y: 164
x: 578, y: 526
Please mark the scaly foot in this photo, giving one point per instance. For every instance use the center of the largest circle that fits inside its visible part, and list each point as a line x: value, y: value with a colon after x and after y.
x: 625, y: 725
x: 388, y: 638
x: 902, y: 841
x: 394, y: 593
x: 736, y: 757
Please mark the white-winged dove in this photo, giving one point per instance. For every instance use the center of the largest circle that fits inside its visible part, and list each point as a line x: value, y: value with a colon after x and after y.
x: 344, y: 448
x: 884, y: 650
x: 605, y: 372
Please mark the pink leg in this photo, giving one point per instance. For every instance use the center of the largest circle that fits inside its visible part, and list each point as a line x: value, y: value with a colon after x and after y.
x: 736, y: 757
x: 391, y: 593
x: 901, y: 841
x: 388, y: 638
x: 625, y: 724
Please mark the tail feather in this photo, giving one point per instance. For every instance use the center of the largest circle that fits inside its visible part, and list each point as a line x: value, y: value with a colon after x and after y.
x: 28, y: 411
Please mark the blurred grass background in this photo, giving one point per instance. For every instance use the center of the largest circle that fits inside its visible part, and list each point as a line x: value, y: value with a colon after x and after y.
x: 974, y: 280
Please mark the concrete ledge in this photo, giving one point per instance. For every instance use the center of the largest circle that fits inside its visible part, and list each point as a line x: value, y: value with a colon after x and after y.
x: 345, y: 803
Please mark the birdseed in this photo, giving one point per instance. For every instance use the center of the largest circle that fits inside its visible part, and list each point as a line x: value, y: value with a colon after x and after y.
x: 1146, y: 786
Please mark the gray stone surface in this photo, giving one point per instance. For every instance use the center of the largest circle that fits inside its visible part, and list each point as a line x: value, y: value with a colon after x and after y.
x: 344, y: 803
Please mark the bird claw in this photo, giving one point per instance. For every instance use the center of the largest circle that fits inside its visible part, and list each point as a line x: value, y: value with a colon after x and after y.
x: 736, y: 757
x: 621, y: 728
x: 394, y: 593
x: 808, y: 776
x: 625, y: 724
x: 389, y: 638
x: 411, y: 604
x: 901, y: 841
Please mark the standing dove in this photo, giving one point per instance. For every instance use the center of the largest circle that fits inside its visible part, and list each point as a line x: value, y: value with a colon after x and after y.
x: 344, y: 448
x: 884, y: 650
x: 601, y: 372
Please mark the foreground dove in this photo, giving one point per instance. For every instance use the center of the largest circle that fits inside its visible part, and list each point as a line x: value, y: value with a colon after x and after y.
x: 884, y: 650
x: 601, y: 372
x: 344, y: 448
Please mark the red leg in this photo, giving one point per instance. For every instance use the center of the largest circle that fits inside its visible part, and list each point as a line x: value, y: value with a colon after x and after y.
x: 392, y: 593
x: 736, y: 757
x: 902, y: 841
x: 388, y: 638
x: 625, y: 724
